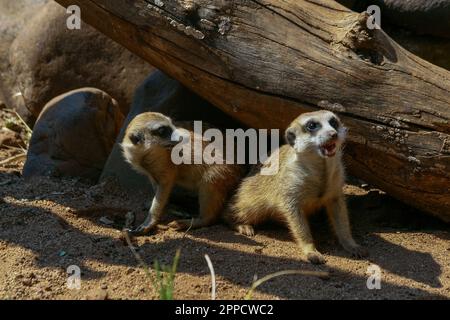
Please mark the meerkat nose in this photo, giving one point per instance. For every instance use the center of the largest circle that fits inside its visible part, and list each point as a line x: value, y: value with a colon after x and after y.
x: 333, y: 134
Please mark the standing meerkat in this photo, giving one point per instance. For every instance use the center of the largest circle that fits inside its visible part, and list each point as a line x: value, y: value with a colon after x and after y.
x: 310, y: 176
x: 147, y: 146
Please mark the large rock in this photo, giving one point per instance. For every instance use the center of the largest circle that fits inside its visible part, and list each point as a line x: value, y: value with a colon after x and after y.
x: 48, y: 59
x: 420, y: 26
x: 433, y: 49
x: 13, y: 17
x: 430, y: 17
x: 74, y: 135
x: 160, y: 93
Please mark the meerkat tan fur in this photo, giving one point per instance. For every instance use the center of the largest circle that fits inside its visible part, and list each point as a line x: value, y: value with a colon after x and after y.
x: 147, y: 146
x: 310, y: 176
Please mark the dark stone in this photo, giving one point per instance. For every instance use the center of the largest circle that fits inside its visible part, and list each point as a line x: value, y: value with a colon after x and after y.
x: 74, y: 135
x: 13, y: 17
x: 430, y: 17
x: 420, y: 26
x: 48, y: 59
x: 432, y: 49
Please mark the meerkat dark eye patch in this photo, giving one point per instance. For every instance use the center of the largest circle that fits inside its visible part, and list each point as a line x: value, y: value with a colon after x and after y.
x: 312, y: 126
x: 334, y: 123
x: 136, y: 137
x: 163, y: 132
x: 290, y: 137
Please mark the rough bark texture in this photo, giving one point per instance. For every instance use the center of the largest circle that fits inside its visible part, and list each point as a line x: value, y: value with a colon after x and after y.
x: 265, y: 61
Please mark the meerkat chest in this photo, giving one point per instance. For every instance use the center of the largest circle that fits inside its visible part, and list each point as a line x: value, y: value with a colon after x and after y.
x: 318, y: 182
x: 317, y: 198
x: 189, y: 178
x: 332, y: 180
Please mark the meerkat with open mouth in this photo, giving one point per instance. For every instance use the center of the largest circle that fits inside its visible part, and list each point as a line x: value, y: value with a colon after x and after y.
x: 310, y: 176
x: 147, y: 146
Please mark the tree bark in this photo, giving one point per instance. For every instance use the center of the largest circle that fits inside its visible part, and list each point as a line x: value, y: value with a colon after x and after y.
x: 265, y: 61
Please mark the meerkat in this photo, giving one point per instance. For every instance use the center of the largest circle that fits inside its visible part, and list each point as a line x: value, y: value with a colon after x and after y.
x: 147, y: 146
x: 310, y: 176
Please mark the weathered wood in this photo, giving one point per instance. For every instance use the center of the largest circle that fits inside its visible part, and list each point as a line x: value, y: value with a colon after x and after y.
x: 265, y: 61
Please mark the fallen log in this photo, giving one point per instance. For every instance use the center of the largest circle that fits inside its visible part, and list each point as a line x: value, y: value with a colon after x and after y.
x: 265, y: 61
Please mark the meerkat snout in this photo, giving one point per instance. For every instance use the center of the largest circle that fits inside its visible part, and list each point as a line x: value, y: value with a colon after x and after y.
x: 321, y: 131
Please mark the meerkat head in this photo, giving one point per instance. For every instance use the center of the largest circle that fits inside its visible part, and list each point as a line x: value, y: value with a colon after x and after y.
x: 150, y: 130
x: 320, y: 131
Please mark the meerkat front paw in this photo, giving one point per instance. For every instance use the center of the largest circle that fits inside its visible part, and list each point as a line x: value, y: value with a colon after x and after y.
x: 358, y: 251
x: 245, y: 229
x: 315, y: 257
x: 142, y: 230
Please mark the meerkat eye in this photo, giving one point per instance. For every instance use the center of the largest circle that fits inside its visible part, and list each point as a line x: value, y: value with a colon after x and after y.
x: 312, y: 126
x: 135, y: 138
x: 163, y: 131
x: 334, y: 123
x: 290, y: 137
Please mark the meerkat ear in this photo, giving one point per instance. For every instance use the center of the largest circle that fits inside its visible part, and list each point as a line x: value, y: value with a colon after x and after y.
x: 136, y: 138
x: 290, y: 136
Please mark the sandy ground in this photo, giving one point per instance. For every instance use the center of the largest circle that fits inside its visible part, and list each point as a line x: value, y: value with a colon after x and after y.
x: 49, y: 224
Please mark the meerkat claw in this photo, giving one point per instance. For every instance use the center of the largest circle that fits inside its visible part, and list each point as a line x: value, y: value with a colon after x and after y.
x: 142, y: 230
x: 315, y: 258
x: 358, y: 252
x: 246, y: 230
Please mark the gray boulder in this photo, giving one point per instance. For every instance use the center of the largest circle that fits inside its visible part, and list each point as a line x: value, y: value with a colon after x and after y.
x: 433, y: 49
x: 13, y: 16
x: 74, y: 135
x: 48, y: 59
x: 420, y: 26
x: 430, y: 17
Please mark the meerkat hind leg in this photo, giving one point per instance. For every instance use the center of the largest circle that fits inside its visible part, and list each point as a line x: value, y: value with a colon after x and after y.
x: 211, y: 203
x: 338, y: 214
